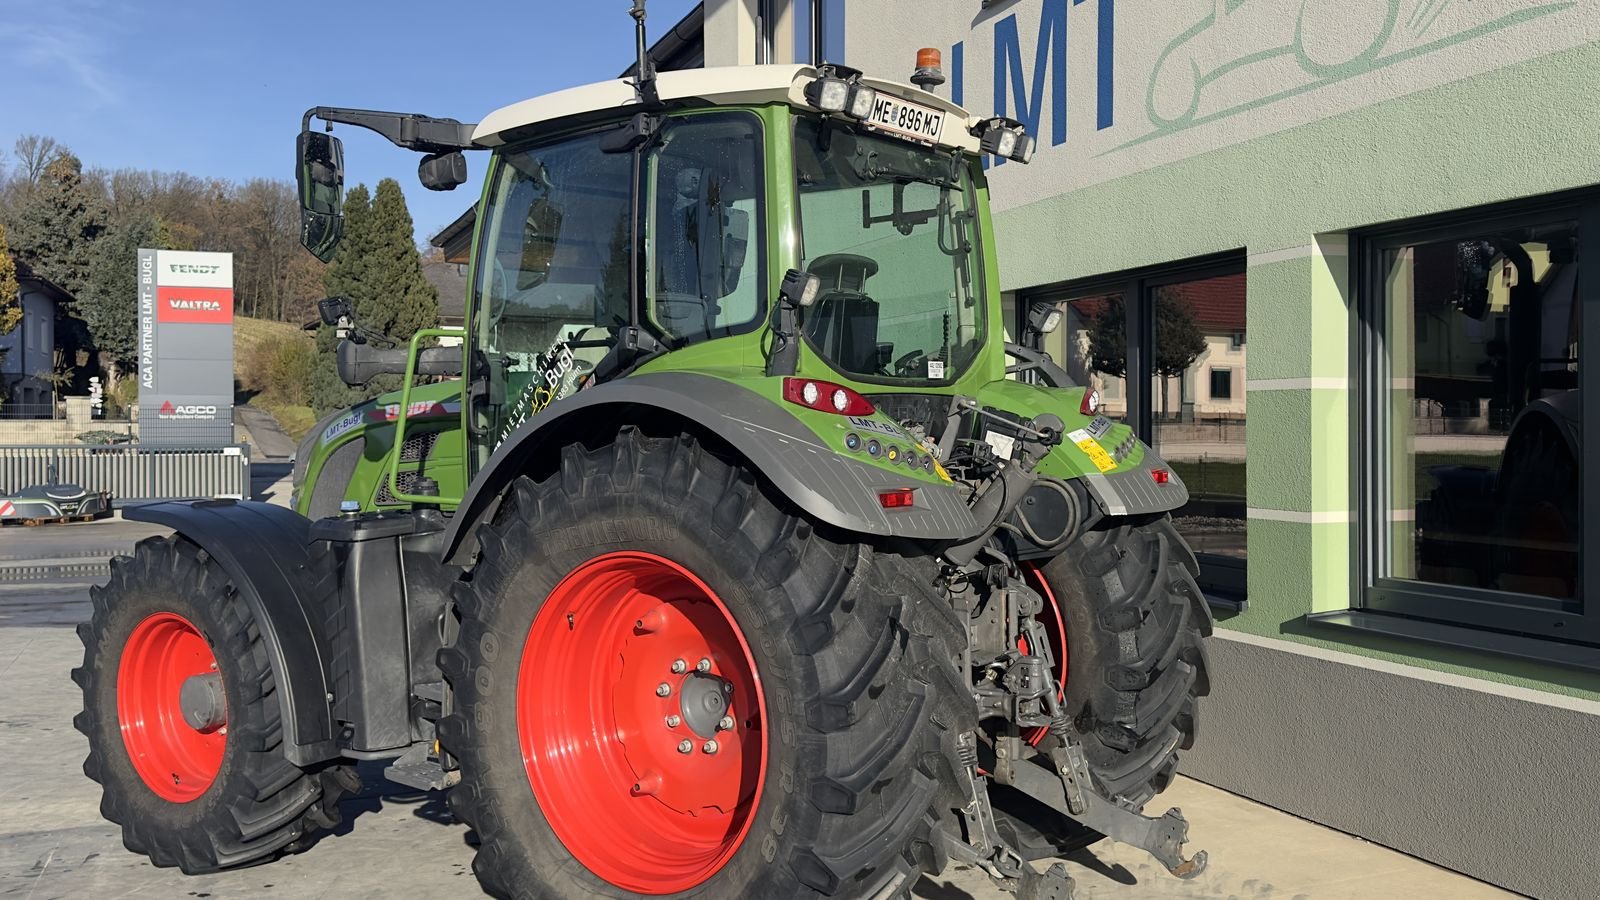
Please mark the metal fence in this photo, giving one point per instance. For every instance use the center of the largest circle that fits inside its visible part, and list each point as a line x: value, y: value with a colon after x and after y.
x: 132, y: 472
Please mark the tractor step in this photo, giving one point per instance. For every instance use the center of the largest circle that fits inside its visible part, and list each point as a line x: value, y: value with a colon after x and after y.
x: 419, y: 768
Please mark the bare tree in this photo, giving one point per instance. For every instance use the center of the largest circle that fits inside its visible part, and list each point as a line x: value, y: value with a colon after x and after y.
x: 35, y: 152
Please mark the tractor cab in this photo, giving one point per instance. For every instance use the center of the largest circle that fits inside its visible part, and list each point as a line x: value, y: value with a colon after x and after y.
x: 758, y: 222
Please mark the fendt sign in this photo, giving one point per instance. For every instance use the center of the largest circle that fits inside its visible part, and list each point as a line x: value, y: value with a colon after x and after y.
x: 185, y: 348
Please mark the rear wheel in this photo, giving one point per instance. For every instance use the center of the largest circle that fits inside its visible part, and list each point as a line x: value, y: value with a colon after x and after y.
x: 1123, y: 611
x: 667, y: 684
x: 1135, y: 626
x: 181, y: 711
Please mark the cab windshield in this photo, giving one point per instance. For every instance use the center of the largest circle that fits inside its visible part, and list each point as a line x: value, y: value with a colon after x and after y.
x: 888, y: 227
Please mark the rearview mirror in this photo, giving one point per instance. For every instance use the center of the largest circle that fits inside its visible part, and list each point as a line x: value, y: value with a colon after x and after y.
x: 443, y: 171
x: 319, y: 177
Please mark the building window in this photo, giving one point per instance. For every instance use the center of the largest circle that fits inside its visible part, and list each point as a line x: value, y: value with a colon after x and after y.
x: 1473, y: 407
x: 1188, y: 323
x: 819, y: 31
x: 1221, y: 384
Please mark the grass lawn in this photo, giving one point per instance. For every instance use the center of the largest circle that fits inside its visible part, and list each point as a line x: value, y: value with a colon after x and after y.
x: 294, y: 420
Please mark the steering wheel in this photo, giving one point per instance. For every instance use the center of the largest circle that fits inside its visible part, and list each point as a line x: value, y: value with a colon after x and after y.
x: 906, y: 365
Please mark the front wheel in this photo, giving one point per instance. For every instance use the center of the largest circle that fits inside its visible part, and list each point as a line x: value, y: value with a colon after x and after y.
x: 668, y: 684
x: 181, y: 710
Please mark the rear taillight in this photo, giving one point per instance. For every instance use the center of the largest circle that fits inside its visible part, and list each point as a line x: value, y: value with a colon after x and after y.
x: 899, y: 498
x: 825, y: 396
x: 1161, y: 476
x: 1091, y: 403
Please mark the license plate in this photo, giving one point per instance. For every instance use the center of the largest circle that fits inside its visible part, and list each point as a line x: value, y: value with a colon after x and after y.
x: 905, y: 119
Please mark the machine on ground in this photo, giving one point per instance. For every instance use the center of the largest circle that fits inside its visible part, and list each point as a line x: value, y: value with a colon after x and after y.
x: 733, y: 552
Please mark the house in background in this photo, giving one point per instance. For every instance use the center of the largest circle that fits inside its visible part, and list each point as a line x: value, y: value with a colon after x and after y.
x: 30, y: 349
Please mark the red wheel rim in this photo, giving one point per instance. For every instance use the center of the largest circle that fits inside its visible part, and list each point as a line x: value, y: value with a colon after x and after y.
x: 606, y: 762
x: 1055, y: 631
x: 176, y: 761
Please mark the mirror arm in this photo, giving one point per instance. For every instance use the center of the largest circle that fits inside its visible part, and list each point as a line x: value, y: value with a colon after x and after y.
x: 409, y: 131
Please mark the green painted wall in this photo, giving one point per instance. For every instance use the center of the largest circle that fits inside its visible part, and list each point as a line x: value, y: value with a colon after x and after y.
x: 1288, y: 199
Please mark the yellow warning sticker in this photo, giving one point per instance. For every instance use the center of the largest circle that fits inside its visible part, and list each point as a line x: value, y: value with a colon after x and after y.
x: 1097, y: 454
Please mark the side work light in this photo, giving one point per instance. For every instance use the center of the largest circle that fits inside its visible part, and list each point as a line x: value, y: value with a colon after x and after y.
x: 1005, y: 138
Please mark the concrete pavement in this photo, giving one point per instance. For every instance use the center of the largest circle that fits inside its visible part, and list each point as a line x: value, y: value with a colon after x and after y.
x: 53, y: 842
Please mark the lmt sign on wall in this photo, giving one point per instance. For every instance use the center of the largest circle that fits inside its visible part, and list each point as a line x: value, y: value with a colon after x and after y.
x: 185, y: 348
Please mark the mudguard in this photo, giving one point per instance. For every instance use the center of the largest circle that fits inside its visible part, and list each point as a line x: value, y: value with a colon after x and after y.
x: 266, y: 552
x: 825, y: 485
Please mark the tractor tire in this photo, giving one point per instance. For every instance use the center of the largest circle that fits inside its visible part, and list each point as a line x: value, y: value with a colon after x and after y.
x: 1135, y: 624
x: 200, y: 798
x: 603, y: 602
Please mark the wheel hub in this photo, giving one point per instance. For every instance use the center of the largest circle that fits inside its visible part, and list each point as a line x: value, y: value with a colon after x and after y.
x: 202, y: 702
x: 704, y: 701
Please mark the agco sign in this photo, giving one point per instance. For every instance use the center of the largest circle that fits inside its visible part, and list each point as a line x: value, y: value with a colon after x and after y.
x: 170, y: 410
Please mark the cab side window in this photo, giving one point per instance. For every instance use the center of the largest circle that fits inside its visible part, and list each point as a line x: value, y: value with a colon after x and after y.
x: 705, y: 267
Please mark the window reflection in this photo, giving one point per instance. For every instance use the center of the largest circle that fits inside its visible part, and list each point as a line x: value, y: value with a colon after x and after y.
x: 1198, y: 405
x: 1482, y: 332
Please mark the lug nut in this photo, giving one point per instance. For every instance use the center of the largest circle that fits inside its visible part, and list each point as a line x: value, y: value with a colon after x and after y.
x: 704, y: 665
x: 685, y: 746
x: 663, y: 690
x: 679, y: 667
x: 709, y: 747
x: 673, y: 721
x: 726, y: 724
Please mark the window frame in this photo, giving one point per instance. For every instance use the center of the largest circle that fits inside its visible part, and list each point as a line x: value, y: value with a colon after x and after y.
x: 1498, y: 616
x: 1226, y: 371
x: 1223, y: 580
x: 644, y: 226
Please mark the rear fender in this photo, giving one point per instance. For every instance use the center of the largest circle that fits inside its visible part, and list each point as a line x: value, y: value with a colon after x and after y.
x: 826, y: 486
x: 266, y: 553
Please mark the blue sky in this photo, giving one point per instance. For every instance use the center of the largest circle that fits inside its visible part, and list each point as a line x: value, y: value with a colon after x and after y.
x: 217, y: 89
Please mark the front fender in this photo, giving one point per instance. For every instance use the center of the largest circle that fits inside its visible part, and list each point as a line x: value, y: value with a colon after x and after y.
x: 824, y: 484
x: 266, y: 552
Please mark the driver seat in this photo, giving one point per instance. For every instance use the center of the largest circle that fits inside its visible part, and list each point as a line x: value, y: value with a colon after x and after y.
x: 844, y: 321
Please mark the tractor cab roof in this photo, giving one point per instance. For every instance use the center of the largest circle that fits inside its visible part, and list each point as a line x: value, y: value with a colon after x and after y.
x: 725, y: 86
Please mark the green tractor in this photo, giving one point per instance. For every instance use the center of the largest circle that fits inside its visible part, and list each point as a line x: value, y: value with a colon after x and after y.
x: 730, y: 550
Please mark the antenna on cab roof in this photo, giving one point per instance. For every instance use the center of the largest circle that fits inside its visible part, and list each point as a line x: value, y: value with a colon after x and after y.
x: 644, y: 78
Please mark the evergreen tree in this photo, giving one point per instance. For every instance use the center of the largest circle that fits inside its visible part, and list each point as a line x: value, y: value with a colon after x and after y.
x: 56, y: 228
x: 396, y: 298
x: 378, y: 269
x: 10, y: 307
x: 109, y: 305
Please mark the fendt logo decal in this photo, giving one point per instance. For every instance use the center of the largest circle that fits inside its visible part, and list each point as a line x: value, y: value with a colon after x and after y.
x: 188, y: 269
x: 170, y: 410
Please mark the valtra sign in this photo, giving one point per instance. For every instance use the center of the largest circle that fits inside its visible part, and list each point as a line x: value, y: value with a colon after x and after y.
x: 185, y: 348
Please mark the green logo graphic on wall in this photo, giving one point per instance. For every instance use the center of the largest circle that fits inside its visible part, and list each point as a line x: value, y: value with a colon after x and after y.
x: 1328, y: 42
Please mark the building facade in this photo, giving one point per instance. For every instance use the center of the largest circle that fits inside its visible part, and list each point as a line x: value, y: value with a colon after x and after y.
x: 1338, y: 262
x: 29, y: 349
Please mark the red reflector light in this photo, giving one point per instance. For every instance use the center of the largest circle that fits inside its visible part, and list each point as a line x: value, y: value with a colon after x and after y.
x: 1162, y: 476
x: 900, y: 498
x: 825, y: 396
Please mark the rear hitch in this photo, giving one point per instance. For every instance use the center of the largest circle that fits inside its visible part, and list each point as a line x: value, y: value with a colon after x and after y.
x: 1162, y: 838
x: 984, y: 846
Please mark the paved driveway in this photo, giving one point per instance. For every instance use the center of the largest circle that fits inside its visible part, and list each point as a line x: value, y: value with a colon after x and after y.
x: 53, y: 842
